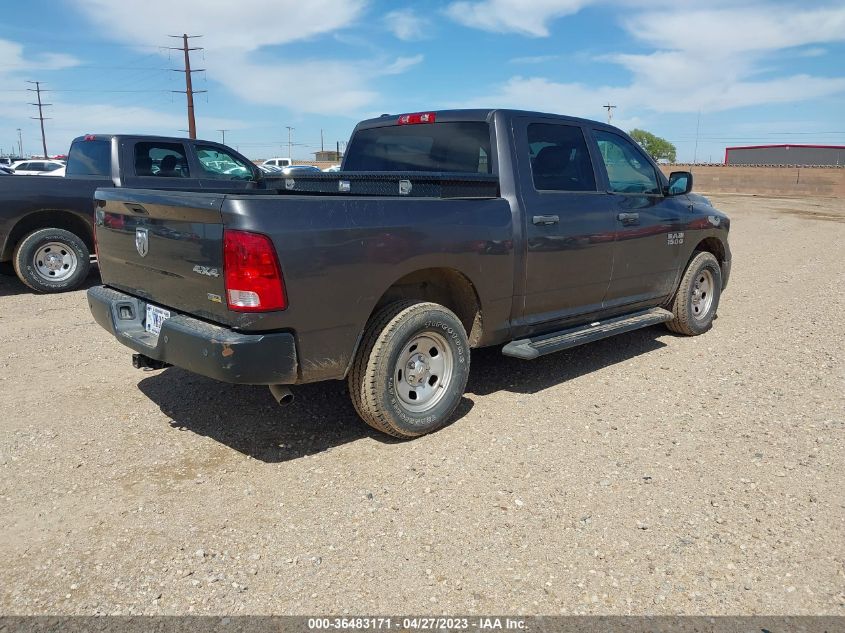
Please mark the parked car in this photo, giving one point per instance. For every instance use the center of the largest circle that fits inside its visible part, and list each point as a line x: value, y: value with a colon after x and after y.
x: 300, y: 169
x: 278, y: 162
x: 544, y: 233
x: 46, y: 224
x: 332, y: 169
x: 36, y: 167
x: 61, y: 171
x: 6, y: 171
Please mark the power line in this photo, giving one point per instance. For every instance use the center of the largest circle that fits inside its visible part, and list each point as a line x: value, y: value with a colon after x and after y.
x: 189, y: 90
x: 40, y: 117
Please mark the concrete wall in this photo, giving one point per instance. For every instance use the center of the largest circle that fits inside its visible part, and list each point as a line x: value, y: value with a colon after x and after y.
x: 826, y: 182
x: 786, y: 155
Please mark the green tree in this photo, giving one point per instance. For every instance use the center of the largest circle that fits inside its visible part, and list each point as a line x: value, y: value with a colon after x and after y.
x: 657, y: 147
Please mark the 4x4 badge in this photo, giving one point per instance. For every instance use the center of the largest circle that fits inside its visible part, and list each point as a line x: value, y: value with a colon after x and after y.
x: 142, y: 242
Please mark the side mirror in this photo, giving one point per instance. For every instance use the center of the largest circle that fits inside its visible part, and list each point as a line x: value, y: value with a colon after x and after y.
x: 680, y: 182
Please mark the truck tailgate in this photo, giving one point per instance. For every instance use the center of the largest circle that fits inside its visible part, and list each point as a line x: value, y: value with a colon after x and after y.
x: 164, y: 246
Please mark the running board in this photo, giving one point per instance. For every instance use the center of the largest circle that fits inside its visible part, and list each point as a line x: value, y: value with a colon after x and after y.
x: 531, y: 348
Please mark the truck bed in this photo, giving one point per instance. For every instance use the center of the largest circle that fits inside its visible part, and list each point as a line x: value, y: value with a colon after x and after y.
x: 336, y: 253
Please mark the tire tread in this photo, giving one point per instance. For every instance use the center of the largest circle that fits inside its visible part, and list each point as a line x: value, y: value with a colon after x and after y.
x: 365, y: 382
x: 682, y: 323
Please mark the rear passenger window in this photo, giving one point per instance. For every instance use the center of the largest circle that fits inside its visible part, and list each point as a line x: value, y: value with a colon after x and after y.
x: 559, y: 158
x: 165, y: 160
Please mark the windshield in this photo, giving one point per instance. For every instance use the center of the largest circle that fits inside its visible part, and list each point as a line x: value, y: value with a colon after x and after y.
x: 461, y: 146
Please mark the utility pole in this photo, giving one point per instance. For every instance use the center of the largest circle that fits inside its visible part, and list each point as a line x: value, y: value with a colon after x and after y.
x: 697, y: 127
x: 40, y: 117
x: 189, y: 89
x: 20, y: 144
x: 322, y: 146
x: 290, y: 141
x: 609, y: 109
x: 223, y: 132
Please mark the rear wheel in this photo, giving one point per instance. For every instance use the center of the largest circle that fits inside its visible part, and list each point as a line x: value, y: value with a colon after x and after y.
x: 411, y: 369
x: 697, y: 299
x: 52, y: 260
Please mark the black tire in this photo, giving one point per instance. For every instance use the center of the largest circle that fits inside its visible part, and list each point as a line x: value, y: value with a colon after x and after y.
x: 376, y: 383
x: 36, y: 275
x: 695, y: 304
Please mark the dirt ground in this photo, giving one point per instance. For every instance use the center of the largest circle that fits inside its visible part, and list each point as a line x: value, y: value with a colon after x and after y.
x: 649, y: 473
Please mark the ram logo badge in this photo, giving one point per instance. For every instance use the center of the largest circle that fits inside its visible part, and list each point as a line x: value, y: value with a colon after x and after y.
x: 142, y: 242
x: 205, y: 270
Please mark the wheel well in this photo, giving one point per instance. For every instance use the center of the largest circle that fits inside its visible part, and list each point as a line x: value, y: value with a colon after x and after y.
x: 445, y: 286
x: 714, y: 246
x: 48, y: 219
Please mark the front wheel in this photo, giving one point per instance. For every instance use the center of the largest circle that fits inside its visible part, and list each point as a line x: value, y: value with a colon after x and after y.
x: 52, y: 260
x: 411, y: 369
x: 695, y: 303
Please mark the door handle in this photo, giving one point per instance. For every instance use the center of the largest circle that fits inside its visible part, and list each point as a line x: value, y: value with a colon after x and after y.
x: 545, y: 219
x: 628, y: 218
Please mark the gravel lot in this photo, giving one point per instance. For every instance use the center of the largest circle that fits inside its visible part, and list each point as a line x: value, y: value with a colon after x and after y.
x: 648, y: 473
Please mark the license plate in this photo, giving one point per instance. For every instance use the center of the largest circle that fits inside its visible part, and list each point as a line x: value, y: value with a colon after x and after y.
x: 155, y: 317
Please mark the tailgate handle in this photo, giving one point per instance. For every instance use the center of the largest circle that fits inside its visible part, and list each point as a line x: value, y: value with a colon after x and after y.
x: 545, y: 219
x: 136, y: 208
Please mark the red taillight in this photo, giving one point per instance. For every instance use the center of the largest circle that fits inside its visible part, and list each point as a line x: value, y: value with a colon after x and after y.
x: 89, y: 137
x: 419, y: 117
x: 251, y: 269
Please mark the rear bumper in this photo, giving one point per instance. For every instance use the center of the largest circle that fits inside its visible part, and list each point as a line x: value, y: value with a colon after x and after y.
x: 199, y: 347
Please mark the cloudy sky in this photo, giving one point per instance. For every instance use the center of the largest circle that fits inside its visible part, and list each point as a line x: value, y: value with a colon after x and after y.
x: 704, y: 75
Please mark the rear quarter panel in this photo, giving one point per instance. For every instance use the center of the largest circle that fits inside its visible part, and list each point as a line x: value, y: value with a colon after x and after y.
x: 339, y: 256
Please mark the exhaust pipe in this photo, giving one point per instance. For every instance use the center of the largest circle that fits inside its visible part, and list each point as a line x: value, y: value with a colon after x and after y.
x: 282, y: 394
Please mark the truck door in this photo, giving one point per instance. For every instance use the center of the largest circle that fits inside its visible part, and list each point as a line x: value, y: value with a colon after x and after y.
x: 647, y: 225
x: 568, y: 223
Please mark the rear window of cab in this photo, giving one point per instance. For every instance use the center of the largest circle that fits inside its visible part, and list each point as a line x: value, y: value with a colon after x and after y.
x: 457, y: 146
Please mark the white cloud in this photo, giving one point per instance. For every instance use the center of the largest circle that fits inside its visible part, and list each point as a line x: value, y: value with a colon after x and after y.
x: 234, y: 39
x: 513, y: 16
x: 539, y: 93
x: 701, y: 59
x: 407, y: 24
x: 724, y: 32
x: 14, y: 61
x: 223, y: 23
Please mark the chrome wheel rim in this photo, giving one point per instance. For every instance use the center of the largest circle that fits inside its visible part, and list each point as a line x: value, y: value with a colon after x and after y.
x: 423, y: 372
x: 54, y: 261
x: 702, y: 294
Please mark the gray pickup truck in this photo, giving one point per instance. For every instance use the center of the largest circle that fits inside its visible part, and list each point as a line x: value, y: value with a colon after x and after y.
x: 444, y: 231
x: 46, y: 223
